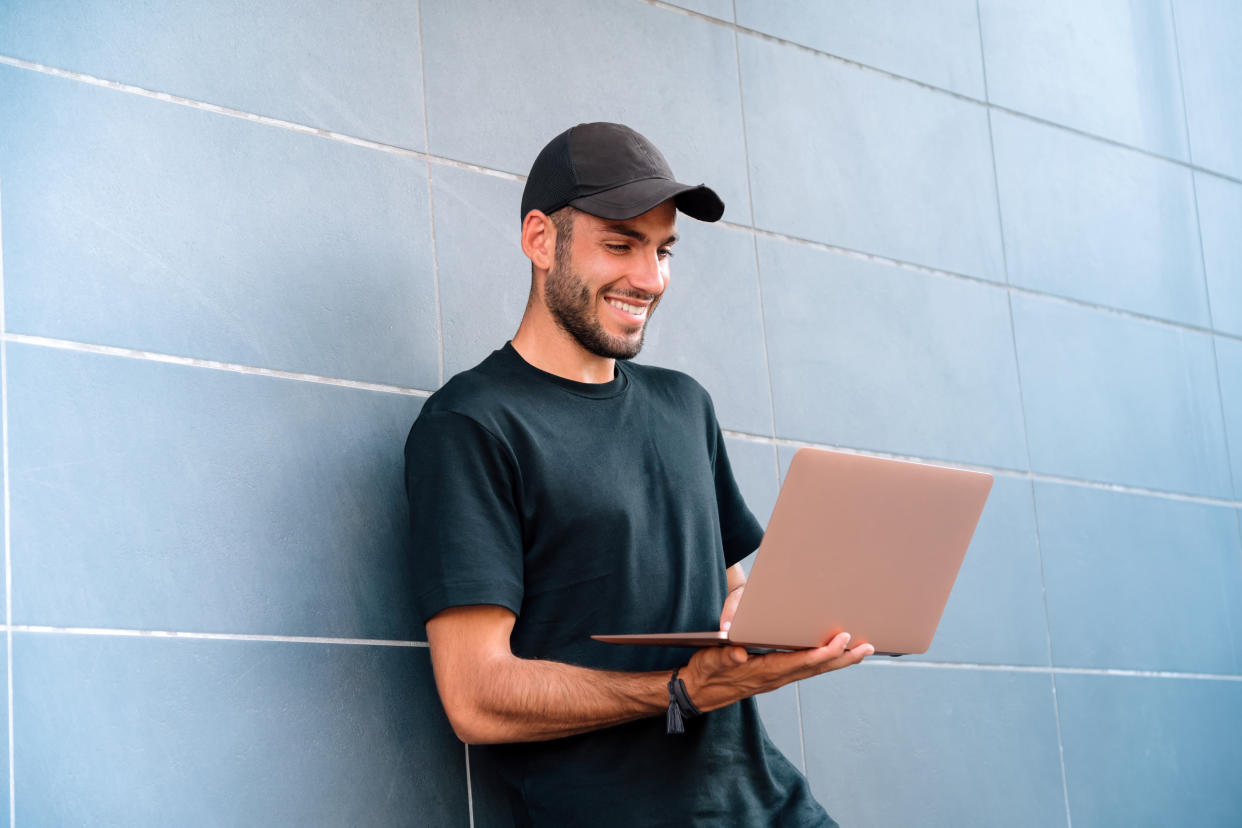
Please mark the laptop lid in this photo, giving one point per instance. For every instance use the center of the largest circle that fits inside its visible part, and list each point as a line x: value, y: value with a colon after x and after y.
x: 868, y: 545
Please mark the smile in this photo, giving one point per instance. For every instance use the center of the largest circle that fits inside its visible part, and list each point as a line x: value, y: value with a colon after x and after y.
x: 634, y: 310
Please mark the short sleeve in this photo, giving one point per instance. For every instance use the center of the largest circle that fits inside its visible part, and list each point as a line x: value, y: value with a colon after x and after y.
x: 467, y: 540
x: 739, y: 531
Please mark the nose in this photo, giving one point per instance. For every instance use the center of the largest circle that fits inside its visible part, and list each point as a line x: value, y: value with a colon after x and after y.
x: 650, y: 274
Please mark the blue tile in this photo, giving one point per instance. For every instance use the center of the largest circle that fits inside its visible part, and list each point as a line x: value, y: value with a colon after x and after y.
x: 936, y: 44
x: 1099, y: 223
x: 710, y: 324
x: 754, y: 468
x: 783, y: 722
x: 157, y: 732
x: 1151, y: 751
x: 342, y: 68
x: 1229, y: 369
x: 1220, y: 217
x: 1208, y: 32
x: 1120, y: 400
x: 722, y: 9
x: 1139, y: 582
x: 155, y: 496
x: 893, y: 745
x: 671, y: 76
x: 484, y: 276
x: 849, y: 157
x: 995, y: 614
x: 1108, y: 68
x: 147, y: 225
x: 866, y: 355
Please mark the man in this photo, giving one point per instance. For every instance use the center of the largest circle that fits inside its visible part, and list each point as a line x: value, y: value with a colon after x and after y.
x: 558, y: 491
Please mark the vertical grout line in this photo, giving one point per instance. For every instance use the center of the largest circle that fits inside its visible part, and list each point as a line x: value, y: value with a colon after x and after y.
x: 801, y: 735
x: 469, y: 788
x: 1026, y: 438
x: 1207, y: 297
x: 8, y: 558
x: 750, y: 204
x: 431, y: 200
x: 1207, y: 291
x: 1052, y: 673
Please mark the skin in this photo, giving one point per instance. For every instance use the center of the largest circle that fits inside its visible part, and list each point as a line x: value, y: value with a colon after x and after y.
x: 491, y: 695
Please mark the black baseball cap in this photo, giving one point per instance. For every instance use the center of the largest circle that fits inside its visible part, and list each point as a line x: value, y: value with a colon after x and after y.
x: 610, y: 171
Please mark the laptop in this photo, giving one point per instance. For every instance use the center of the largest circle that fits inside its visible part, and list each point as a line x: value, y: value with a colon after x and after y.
x: 866, y: 545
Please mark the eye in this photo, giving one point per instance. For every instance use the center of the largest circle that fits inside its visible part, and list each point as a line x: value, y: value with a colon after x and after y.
x: 665, y: 253
x: 616, y: 248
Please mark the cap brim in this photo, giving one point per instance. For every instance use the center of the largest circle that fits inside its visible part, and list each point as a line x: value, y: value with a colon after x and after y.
x: 637, y: 197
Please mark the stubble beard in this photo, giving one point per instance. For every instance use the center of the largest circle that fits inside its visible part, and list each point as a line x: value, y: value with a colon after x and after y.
x: 572, y: 304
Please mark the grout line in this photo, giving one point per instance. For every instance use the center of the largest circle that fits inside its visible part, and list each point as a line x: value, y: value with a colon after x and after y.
x: 1056, y: 701
x: 979, y: 280
x: 801, y: 733
x: 478, y: 168
x: 1015, y: 473
x: 1207, y: 298
x: 750, y: 204
x: 215, y: 365
x: 42, y: 629
x: 431, y: 203
x: 265, y: 120
x: 8, y: 522
x: 738, y: 29
x: 930, y: 87
x: 469, y: 788
x: 902, y: 663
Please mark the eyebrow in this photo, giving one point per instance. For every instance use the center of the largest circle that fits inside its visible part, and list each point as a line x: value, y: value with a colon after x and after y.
x: 636, y: 235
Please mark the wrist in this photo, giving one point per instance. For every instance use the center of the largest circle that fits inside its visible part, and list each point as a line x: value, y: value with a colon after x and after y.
x: 680, y: 705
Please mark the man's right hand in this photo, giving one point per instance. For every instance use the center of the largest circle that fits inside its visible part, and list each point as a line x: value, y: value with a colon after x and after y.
x: 719, y: 676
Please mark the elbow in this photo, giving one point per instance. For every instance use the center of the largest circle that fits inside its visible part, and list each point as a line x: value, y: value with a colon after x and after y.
x: 471, y: 724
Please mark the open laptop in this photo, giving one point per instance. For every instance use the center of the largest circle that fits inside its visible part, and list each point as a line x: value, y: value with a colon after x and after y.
x: 866, y: 545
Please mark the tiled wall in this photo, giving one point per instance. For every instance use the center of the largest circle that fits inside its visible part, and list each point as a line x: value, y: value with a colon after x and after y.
x: 243, y: 241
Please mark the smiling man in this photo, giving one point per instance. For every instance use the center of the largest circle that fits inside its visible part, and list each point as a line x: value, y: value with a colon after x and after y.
x: 557, y: 491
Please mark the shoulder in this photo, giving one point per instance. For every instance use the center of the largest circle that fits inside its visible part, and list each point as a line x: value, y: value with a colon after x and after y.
x: 670, y: 384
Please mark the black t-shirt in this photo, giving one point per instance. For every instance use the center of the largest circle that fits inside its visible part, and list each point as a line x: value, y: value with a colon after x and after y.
x: 597, y: 508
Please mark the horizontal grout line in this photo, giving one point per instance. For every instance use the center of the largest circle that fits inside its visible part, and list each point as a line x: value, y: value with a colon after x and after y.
x: 877, y: 258
x: 765, y: 439
x: 1022, y: 474
x: 1058, y: 671
x: 380, y: 642
x: 152, y: 356
x: 509, y: 176
x: 266, y: 120
x: 290, y: 639
x: 428, y: 156
x: 930, y: 87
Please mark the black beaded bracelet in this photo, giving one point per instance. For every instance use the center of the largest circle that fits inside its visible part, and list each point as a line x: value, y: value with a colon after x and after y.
x: 680, y: 707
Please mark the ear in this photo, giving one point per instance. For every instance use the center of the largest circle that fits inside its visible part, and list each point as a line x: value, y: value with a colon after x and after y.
x: 539, y: 239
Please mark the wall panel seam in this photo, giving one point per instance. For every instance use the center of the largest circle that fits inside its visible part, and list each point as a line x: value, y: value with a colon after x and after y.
x: 211, y: 364
x: 1020, y: 474
x: 865, y: 67
x: 426, y: 155
x: 113, y: 632
x: 8, y: 549
x: 508, y: 176
x: 431, y: 202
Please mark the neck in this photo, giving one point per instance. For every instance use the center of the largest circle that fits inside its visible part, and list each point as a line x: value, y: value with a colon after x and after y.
x: 549, y: 347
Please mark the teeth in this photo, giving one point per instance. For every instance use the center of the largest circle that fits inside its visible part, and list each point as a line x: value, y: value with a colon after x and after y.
x: 634, y: 309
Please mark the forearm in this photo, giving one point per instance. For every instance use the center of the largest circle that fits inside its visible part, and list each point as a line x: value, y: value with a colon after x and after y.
x: 527, y: 700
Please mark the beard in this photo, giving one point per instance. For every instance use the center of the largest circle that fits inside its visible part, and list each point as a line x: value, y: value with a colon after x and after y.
x: 572, y: 304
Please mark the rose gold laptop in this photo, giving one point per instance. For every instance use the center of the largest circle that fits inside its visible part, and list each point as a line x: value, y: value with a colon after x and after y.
x: 863, y: 544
